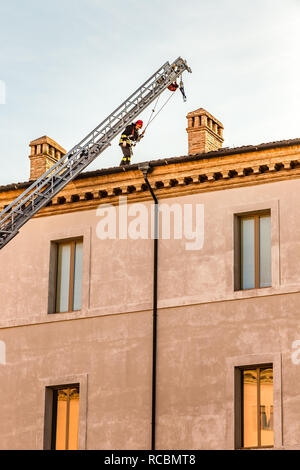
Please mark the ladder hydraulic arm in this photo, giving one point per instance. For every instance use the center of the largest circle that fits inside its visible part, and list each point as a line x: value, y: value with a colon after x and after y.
x: 40, y: 193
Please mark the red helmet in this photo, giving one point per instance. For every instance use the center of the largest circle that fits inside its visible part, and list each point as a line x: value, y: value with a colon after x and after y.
x: 173, y: 86
x: 139, y: 123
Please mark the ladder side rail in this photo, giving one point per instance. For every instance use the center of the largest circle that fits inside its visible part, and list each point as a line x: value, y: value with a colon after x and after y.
x: 78, y: 147
x: 140, y: 107
x: 137, y: 108
x: 92, y: 154
x: 35, y: 184
x: 165, y: 66
x: 96, y: 147
x: 139, y: 104
x: 35, y: 204
x: 133, y: 112
x: 114, y: 130
x: 24, y: 217
x: 22, y: 201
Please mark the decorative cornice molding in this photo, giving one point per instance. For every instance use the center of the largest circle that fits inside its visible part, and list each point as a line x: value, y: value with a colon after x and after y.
x: 173, y: 179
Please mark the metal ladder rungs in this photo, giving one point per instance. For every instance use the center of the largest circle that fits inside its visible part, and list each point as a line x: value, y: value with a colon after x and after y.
x: 63, y: 178
x: 82, y: 154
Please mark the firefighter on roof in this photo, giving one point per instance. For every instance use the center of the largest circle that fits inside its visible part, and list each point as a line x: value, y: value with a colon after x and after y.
x: 128, y: 137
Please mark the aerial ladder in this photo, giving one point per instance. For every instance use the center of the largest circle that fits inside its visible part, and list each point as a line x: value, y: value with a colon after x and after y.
x: 40, y: 193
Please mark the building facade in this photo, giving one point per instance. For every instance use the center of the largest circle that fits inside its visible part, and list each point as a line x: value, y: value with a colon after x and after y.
x: 76, y: 316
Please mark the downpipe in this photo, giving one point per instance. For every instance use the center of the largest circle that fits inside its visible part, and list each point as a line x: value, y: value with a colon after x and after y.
x: 144, y: 167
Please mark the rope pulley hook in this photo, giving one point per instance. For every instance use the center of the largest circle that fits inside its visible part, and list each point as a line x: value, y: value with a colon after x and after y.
x: 172, y: 87
x: 181, y: 88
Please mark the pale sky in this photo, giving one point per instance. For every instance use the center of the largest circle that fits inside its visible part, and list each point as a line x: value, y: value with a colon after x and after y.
x: 68, y: 64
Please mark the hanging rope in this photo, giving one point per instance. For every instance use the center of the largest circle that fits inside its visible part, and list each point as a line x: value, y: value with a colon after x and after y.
x: 153, y: 111
x: 152, y: 118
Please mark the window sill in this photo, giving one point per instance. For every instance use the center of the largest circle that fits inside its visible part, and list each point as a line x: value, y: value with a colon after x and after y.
x: 255, y: 448
x: 65, y: 313
x: 253, y: 289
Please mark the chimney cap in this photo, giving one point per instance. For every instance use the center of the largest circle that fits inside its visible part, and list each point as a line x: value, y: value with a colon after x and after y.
x: 47, y: 140
x: 201, y: 112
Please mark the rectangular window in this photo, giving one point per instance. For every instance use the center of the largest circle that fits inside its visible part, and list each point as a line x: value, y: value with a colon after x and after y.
x: 65, y: 418
x: 255, y: 251
x: 68, y: 276
x: 257, y: 407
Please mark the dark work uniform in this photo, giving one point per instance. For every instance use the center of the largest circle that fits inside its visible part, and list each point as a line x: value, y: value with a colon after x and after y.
x: 129, y: 135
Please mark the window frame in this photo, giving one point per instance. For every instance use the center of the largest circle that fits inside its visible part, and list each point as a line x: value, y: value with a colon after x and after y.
x: 52, y: 307
x: 256, y: 215
x: 54, y: 391
x: 44, y: 416
x: 240, y: 405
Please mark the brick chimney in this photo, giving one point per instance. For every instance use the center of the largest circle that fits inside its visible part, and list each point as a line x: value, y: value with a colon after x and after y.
x: 44, y: 153
x: 205, y: 132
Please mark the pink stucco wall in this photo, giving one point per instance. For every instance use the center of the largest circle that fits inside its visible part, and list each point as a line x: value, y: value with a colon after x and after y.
x: 203, y: 328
